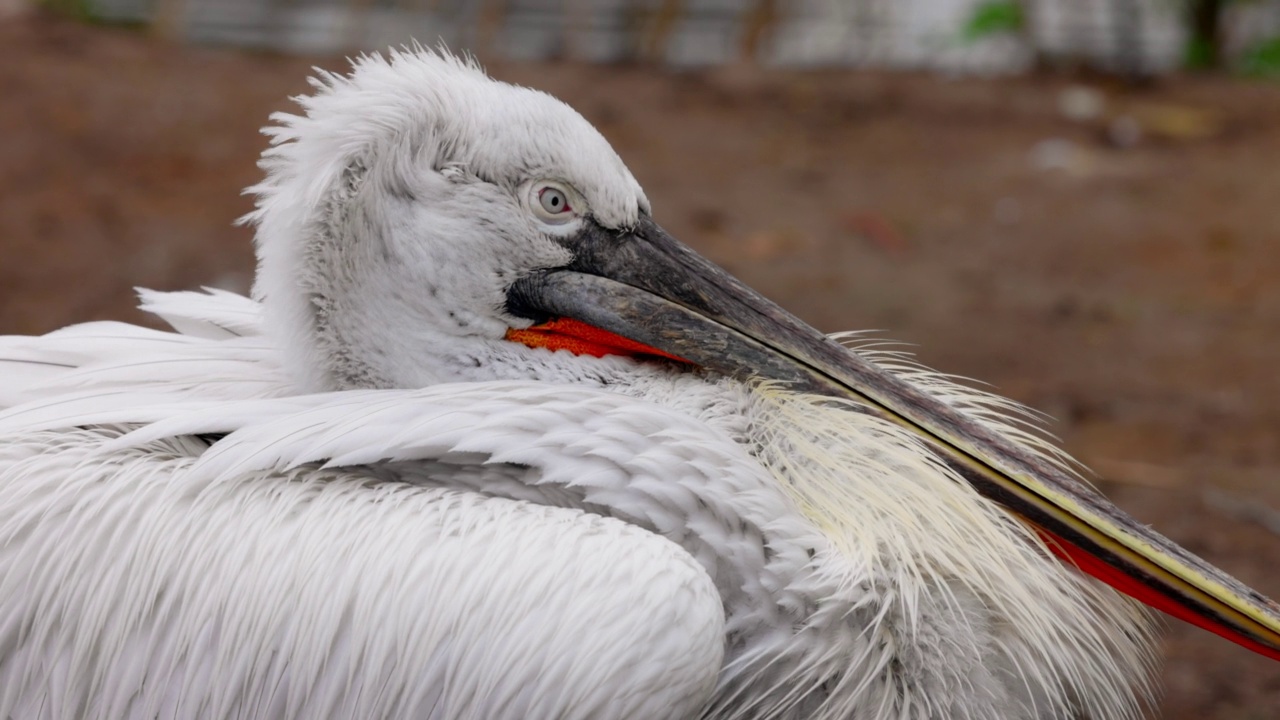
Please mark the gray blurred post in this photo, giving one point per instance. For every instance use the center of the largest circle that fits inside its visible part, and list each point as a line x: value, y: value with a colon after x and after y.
x: 169, y: 19
x: 1130, y: 52
x: 357, y: 23
x: 653, y: 46
x: 1027, y: 32
x: 757, y: 23
x: 577, y: 23
x: 489, y: 24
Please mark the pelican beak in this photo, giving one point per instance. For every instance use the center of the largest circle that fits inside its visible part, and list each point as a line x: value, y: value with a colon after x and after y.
x: 646, y: 287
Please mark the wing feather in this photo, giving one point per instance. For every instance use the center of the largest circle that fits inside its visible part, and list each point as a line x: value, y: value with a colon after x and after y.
x: 138, y: 589
x: 218, y: 352
x: 212, y: 314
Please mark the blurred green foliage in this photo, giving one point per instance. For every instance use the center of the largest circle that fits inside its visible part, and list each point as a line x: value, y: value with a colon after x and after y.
x: 78, y: 9
x: 993, y: 18
x: 1199, y: 54
x: 1263, y: 59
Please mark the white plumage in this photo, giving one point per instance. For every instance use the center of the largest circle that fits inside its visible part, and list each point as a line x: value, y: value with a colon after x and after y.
x: 361, y: 498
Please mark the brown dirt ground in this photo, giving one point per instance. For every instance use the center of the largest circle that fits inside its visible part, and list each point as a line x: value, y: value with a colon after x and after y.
x: 1133, y: 294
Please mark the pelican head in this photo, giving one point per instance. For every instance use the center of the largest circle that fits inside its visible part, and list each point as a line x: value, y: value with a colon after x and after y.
x: 419, y: 188
x: 421, y: 223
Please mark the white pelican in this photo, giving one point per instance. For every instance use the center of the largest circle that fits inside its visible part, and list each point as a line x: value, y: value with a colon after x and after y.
x: 488, y: 443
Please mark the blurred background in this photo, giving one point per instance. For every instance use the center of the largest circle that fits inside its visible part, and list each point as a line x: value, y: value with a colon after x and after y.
x: 1077, y: 201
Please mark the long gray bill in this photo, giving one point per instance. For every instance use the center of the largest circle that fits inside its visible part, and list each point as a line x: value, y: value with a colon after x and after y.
x: 646, y: 286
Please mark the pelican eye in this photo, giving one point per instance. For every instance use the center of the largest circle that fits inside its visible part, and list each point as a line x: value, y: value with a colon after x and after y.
x: 551, y: 204
x: 553, y: 201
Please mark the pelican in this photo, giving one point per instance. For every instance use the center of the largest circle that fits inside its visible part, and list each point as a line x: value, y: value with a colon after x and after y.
x: 488, y: 443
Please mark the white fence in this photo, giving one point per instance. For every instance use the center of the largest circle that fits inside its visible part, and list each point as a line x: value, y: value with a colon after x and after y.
x: 1145, y: 36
